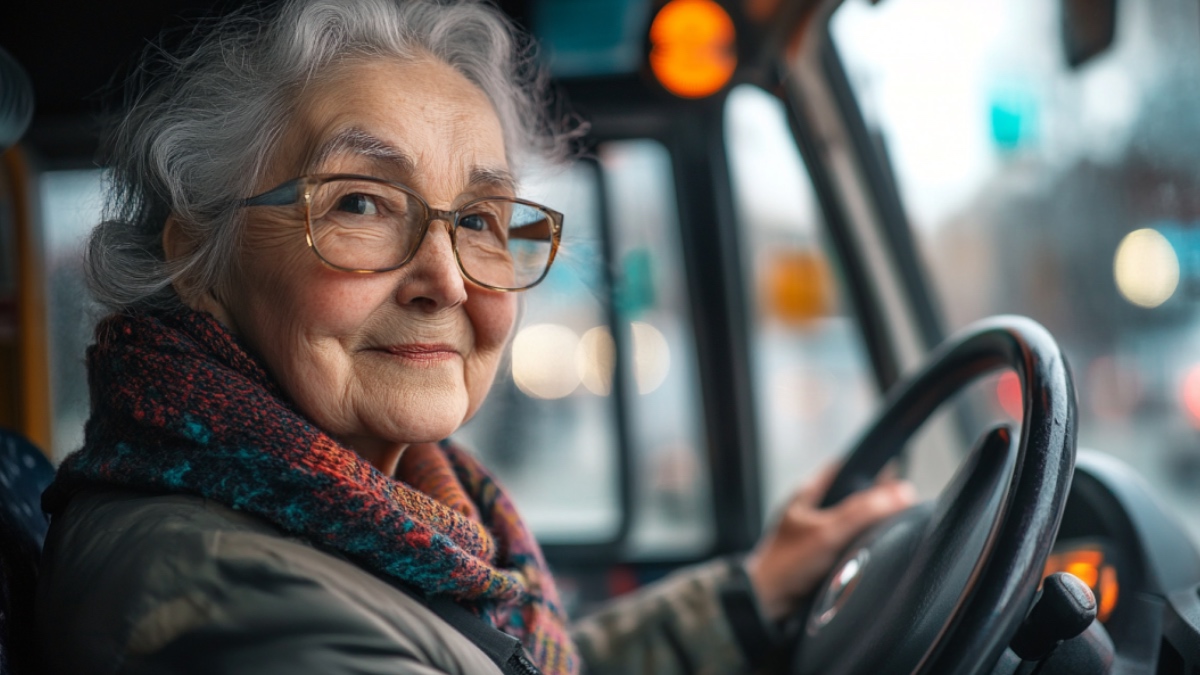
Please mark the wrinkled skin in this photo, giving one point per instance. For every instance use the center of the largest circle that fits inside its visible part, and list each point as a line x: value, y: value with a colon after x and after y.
x: 378, y: 361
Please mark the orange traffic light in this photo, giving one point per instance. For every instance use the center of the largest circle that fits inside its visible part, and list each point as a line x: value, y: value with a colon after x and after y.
x: 692, y: 50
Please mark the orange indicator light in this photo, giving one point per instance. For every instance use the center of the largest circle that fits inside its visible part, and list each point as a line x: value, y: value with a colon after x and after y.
x: 692, y: 47
x: 1086, y: 572
x: 1092, y: 569
x: 1108, y: 592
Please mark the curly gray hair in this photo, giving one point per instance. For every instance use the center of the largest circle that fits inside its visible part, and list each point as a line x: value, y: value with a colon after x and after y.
x: 193, y: 139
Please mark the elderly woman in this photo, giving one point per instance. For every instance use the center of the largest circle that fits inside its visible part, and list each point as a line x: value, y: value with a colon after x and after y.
x: 311, y: 264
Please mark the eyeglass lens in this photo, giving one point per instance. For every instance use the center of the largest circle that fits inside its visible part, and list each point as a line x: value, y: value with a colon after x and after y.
x: 364, y: 225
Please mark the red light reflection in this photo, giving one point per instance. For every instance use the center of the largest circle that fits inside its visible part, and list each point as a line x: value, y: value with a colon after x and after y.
x: 1008, y: 392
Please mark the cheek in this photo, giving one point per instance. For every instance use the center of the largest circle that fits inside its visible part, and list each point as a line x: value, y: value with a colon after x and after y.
x: 337, y: 304
x: 492, y: 316
x: 290, y: 294
x: 297, y: 314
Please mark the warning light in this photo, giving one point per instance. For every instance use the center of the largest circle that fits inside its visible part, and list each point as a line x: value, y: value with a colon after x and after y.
x: 1109, y: 591
x: 692, y: 47
x: 1089, y: 563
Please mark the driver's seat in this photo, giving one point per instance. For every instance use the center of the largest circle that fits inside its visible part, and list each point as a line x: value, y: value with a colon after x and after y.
x: 24, y: 474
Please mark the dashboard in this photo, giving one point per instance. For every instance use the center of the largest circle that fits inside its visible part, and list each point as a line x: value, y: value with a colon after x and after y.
x: 1139, y: 562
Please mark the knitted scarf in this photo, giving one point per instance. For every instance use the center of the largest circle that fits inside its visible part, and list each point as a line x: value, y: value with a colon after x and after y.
x: 180, y: 406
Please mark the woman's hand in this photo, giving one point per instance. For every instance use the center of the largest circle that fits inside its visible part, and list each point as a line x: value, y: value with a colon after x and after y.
x: 798, y: 551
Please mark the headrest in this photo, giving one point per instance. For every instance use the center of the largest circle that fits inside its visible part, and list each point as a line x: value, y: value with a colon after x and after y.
x: 16, y: 100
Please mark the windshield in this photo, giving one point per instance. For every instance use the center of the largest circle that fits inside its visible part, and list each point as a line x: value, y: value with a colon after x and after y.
x: 1068, y: 195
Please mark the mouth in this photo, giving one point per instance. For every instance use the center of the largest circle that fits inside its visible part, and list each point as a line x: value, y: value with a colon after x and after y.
x: 420, y: 352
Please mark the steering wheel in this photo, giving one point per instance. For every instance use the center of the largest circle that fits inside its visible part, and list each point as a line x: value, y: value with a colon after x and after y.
x: 943, y: 587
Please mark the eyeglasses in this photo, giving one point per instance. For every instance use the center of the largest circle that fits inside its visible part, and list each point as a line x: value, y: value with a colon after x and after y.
x: 364, y: 225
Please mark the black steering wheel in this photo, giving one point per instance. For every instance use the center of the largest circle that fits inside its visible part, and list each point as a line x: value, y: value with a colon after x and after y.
x: 943, y: 587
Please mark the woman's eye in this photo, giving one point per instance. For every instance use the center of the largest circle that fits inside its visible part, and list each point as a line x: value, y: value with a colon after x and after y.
x: 473, y: 221
x: 358, y: 204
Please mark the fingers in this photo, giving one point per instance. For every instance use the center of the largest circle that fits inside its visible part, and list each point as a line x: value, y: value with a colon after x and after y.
x: 864, y: 508
x: 811, y: 493
x: 889, y: 472
x: 798, y: 551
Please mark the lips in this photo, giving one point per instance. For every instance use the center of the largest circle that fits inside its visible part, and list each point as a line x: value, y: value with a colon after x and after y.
x: 421, y: 351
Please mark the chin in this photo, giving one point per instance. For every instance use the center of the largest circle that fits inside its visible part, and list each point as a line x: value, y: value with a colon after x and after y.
x: 425, y: 423
x: 429, y: 434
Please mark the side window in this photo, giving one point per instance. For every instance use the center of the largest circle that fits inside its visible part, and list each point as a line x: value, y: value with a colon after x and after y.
x: 673, y: 503
x: 812, y: 379
x: 70, y: 207
x: 549, y: 428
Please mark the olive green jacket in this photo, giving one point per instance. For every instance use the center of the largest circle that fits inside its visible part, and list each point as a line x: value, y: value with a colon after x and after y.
x: 133, y: 583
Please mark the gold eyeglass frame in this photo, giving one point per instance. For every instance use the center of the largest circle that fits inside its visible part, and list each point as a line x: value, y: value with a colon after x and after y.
x: 301, y: 189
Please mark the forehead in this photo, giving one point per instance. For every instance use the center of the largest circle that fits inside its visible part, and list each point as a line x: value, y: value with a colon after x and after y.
x: 422, y: 118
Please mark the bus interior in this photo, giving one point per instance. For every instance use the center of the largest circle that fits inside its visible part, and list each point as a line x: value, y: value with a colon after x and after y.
x: 955, y: 241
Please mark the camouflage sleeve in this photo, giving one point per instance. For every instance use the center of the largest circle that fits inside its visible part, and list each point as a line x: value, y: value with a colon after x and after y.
x: 676, y: 626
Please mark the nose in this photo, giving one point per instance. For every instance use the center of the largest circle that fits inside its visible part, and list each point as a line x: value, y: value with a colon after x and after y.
x: 432, y: 280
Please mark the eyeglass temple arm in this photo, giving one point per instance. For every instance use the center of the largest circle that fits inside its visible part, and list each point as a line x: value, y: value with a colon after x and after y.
x: 284, y: 195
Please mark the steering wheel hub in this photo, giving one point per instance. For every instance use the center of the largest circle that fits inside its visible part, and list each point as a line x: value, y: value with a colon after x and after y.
x: 840, y: 586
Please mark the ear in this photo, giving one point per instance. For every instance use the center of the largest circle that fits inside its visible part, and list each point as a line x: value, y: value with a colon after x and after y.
x: 176, y: 245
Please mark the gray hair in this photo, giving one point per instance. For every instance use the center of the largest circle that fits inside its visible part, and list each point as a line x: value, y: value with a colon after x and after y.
x: 194, y: 139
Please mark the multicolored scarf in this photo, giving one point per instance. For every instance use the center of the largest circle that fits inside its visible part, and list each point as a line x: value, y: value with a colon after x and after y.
x: 180, y: 406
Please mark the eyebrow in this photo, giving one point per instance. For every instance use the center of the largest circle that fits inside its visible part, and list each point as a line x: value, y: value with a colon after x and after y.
x: 359, y: 142
x: 501, y: 179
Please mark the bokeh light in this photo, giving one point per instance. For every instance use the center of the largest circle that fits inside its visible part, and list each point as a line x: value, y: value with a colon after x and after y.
x: 543, y: 361
x: 1146, y: 268
x: 595, y: 358
x: 651, y: 357
x: 1191, y: 394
